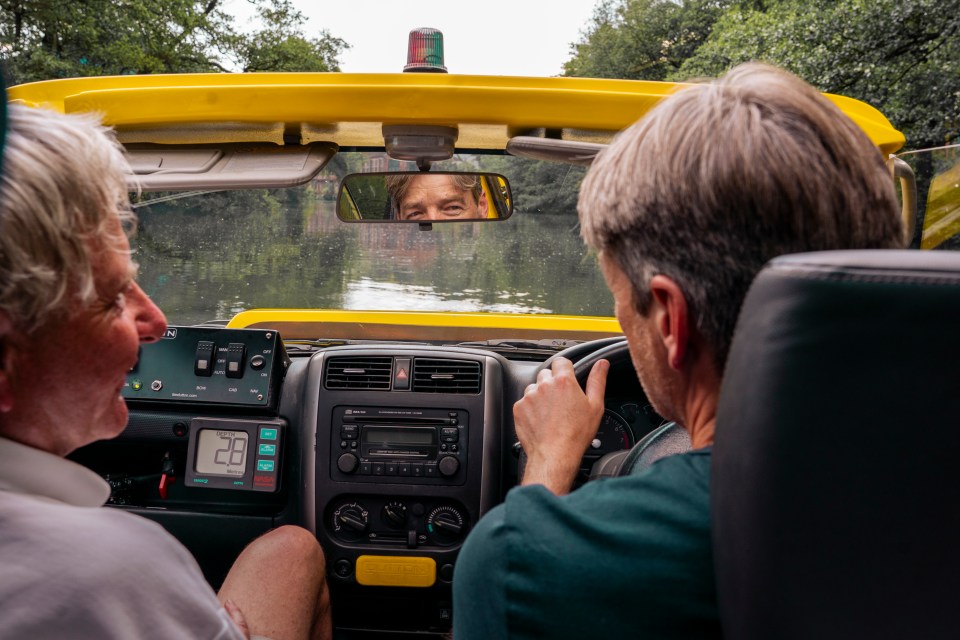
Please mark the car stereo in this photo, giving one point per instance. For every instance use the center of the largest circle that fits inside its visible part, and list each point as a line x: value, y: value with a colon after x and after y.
x: 399, y: 445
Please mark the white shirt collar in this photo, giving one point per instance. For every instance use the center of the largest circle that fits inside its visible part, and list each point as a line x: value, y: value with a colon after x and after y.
x: 28, y: 470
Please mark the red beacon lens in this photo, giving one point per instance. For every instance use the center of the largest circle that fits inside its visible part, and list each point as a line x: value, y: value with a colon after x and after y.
x: 425, y: 51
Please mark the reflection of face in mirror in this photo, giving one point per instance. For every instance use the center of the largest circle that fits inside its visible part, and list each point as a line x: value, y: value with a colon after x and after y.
x: 437, y: 197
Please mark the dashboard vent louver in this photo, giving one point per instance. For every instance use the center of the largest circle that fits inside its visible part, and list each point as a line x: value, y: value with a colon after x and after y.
x: 359, y: 372
x: 446, y: 376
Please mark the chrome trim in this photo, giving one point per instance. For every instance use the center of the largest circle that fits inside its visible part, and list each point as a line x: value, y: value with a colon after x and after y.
x: 310, y: 415
x: 492, y: 456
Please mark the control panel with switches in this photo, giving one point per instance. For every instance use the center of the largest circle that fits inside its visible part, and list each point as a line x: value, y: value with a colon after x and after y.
x: 234, y: 367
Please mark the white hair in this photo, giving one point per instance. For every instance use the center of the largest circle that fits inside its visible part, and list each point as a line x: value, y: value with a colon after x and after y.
x: 62, y: 188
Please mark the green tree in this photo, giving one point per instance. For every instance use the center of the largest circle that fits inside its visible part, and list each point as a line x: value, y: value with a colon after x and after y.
x: 282, y: 46
x: 642, y: 39
x: 47, y: 39
x: 901, y: 57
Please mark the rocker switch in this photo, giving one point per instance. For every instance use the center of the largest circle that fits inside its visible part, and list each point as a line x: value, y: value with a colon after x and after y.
x: 236, y: 351
x: 203, y: 363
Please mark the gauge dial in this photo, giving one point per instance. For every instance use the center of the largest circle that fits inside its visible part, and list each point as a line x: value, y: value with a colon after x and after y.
x: 614, y: 434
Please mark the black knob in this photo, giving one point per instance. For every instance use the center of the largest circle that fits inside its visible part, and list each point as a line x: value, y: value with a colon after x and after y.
x: 395, y: 514
x: 352, y: 521
x: 448, y: 466
x: 447, y: 523
x: 347, y: 463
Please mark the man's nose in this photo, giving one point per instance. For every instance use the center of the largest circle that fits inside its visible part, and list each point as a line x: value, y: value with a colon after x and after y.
x: 150, y: 320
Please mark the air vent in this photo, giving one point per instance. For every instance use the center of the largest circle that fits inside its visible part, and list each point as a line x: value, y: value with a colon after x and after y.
x: 371, y: 372
x: 446, y: 376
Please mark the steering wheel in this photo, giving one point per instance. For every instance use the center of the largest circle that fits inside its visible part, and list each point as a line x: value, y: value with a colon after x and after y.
x: 663, y: 441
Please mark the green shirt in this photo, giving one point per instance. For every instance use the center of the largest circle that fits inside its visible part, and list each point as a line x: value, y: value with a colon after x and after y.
x: 620, y: 557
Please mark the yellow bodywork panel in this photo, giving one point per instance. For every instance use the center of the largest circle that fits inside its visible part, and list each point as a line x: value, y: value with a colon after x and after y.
x: 416, y: 325
x: 349, y: 109
x: 942, y: 219
x: 396, y: 571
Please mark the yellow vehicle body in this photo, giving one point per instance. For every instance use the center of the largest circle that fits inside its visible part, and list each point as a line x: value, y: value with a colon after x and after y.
x: 349, y: 110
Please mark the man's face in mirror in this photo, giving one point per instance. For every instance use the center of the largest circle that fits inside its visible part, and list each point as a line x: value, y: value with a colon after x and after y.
x: 442, y: 197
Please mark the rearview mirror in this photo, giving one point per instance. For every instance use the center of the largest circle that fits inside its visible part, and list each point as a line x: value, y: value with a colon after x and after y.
x: 424, y: 197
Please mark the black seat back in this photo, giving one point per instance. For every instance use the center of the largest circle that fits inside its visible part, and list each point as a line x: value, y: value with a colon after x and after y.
x: 835, y: 489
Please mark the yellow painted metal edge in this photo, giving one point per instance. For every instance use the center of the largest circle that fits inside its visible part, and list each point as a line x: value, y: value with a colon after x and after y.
x: 428, y: 319
x: 396, y: 571
x: 585, y: 103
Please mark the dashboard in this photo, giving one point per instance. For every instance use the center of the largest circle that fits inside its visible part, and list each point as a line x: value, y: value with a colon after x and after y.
x: 389, y: 453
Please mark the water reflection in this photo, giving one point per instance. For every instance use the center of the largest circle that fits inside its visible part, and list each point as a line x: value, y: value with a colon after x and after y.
x: 370, y: 294
x: 215, y: 255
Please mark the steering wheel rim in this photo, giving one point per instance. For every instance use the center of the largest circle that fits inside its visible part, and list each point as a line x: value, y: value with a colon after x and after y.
x: 577, y: 352
x: 667, y: 439
x: 614, y: 349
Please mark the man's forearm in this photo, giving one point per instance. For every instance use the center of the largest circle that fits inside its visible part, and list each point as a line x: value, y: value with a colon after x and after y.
x: 557, y: 475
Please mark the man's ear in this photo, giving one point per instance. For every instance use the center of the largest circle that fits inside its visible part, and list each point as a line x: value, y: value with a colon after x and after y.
x: 482, y: 205
x: 6, y: 362
x: 671, y: 319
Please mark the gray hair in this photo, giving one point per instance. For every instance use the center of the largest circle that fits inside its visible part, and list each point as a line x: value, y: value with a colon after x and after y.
x: 62, y: 185
x: 719, y: 178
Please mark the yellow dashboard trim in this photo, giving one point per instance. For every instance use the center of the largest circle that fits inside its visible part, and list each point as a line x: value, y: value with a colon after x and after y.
x: 332, y: 105
x: 396, y: 571
x: 266, y: 317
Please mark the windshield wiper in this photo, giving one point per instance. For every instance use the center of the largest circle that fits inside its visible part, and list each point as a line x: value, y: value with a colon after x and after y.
x: 545, y: 347
x: 300, y: 347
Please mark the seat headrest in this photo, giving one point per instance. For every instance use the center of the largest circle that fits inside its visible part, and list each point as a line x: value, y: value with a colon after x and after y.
x: 835, y: 490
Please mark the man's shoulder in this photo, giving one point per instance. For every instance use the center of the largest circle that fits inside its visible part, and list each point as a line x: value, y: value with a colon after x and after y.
x: 68, y: 529
x: 679, y: 484
x: 645, y: 538
x: 98, y: 570
x: 621, y: 519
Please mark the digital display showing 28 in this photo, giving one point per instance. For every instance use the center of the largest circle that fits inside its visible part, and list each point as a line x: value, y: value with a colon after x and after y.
x: 222, y: 453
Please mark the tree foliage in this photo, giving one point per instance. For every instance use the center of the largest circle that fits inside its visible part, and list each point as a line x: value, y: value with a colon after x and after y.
x: 45, y: 39
x: 901, y: 57
x: 642, y: 39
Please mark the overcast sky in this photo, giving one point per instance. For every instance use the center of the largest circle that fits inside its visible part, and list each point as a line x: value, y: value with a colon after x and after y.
x: 496, y: 37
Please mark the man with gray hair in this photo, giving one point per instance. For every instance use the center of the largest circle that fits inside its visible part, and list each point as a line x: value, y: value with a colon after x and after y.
x: 72, y: 319
x: 684, y: 209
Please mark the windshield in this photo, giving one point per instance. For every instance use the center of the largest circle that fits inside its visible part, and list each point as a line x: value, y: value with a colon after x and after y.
x: 208, y: 256
x: 937, y: 174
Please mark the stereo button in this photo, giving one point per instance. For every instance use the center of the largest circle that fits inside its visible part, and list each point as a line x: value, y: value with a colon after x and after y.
x: 416, y: 469
x: 347, y: 463
x: 429, y: 470
x: 404, y: 468
x: 448, y: 466
x: 366, y: 468
x: 390, y: 468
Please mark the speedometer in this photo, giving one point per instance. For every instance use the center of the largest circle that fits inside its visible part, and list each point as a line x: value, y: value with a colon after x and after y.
x: 614, y: 434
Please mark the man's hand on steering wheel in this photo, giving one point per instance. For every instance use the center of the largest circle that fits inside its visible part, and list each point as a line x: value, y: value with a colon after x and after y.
x: 555, y: 422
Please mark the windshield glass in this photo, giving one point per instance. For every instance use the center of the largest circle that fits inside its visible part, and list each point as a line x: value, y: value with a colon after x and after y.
x: 937, y: 173
x: 208, y: 256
